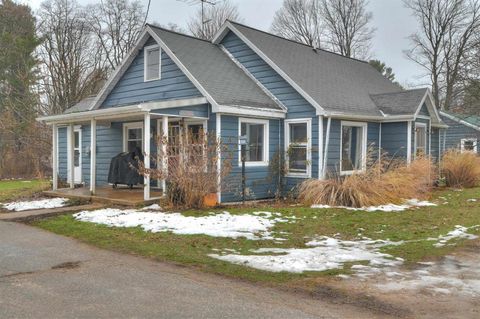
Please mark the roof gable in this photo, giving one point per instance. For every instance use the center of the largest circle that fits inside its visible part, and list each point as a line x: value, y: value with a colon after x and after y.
x: 472, y: 121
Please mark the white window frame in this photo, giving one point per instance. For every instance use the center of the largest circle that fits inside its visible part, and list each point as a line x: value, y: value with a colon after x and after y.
x: 471, y: 139
x: 364, y: 126
x: 266, y: 141
x: 145, y: 64
x: 424, y: 125
x: 128, y: 126
x: 287, y: 123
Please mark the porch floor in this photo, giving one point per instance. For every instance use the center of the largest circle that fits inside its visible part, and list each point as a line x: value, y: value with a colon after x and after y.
x: 108, y: 195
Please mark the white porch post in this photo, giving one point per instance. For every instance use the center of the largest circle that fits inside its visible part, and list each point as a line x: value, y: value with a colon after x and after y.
x: 164, y: 151
x: 218, y: 129
x: 146, y: 149
x: 93, y: 155
x: 320, y: 147
x: 54, y: 157
x: 71, y: 142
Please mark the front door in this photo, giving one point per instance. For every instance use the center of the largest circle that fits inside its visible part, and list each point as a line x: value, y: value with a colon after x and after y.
x: 77, y: 155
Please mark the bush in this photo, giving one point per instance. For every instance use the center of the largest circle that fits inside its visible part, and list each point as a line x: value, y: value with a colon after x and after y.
x: 382, y: 183
x: 460, y: 169
x: 192, y: 167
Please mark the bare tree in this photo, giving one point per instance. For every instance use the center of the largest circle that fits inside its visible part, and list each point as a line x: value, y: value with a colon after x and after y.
x: 72, y: 65
x: 445, y: 43
x: 116, y: 25
x: 347, y: 23
x: 299, y: 20
x: 205, y: 26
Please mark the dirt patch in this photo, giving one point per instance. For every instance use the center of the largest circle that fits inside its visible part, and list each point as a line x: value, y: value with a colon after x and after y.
x: 67, y: 265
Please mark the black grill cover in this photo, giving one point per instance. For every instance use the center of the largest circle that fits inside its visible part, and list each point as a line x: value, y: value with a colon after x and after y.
x: 121, y: 170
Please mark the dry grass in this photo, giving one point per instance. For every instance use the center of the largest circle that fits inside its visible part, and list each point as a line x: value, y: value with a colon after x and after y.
x: 461, y: 169
x: 383, y: 182
x: 188, y: 164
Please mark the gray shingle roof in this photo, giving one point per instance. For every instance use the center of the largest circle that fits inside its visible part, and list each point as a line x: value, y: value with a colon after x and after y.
x: 336, y: 83
x: 215, y: 71
x: 83, y: 105
x: 399, y: 103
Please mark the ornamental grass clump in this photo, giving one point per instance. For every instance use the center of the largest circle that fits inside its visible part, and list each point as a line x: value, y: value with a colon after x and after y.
x: 383, y: 182
x: 460, y: 169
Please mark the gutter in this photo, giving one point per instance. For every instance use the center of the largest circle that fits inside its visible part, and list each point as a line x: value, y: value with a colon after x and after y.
x: 327, y: 143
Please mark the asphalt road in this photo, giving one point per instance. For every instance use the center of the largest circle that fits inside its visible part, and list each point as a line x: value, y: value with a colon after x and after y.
x: 43, y: 275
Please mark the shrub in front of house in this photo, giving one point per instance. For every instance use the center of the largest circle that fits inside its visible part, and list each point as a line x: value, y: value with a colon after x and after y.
x: 188, y: 164
x: 460, y: 169
x: 383, y: 182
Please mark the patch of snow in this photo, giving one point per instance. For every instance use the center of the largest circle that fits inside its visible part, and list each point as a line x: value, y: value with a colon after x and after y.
x: 152, y: 207
x: 385, y: 208
x: 36, y: 204
x: 472, y: 200
x: 250, y: 226
x: 323, y: 254
x: 460, y: 232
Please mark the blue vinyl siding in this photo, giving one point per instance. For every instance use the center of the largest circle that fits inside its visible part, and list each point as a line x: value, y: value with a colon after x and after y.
x: 424, y: 110
x: 62, y: 153
x: 456, y: 132
x: 333, y: 155
x: 258, y: 183
x: 132, y: 89
x: 373, y: 131
x: 297, y: 106
x: 435, y: 143
x: 394, y: 139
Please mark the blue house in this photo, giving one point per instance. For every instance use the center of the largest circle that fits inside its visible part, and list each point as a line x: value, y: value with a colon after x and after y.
x: 328, y: 110
x: 463, y: 131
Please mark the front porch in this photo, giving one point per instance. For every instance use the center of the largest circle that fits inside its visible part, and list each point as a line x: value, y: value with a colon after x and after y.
x: 106, y: 194
x: 84, y: 144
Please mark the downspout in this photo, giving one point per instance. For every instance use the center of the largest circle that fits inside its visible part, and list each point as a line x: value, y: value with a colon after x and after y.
x: 327, y: 143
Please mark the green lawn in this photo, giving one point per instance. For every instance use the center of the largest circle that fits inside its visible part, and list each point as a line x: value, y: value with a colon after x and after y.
x: 192, y: 250
x: 13, y: 189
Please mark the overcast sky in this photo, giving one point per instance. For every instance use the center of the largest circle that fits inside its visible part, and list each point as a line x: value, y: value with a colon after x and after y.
x: 393, y: 23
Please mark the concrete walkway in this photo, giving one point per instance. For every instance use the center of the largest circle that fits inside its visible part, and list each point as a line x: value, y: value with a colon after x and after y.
x: 43, y: 275
x: 28, y: 215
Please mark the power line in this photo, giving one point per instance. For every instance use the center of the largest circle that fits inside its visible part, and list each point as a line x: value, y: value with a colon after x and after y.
x: 148, y: 10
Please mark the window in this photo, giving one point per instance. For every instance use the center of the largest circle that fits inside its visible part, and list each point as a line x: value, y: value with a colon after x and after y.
x: 132, y: 136
x: 298, y: 145
x: 468, y: 145
x: 420, y: 139
x: 256, y: 150
x: 152, y: 63
x: 196, y: 138
x: 353, y: 147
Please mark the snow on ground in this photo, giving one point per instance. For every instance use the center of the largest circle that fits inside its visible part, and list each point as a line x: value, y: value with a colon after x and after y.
x: 325, y: 253
x: 385, y: 208
x: 36, y: 204
x: 332, y: 253
x: 460, y: 232
x: 152, y: 207
x: 250, y: 226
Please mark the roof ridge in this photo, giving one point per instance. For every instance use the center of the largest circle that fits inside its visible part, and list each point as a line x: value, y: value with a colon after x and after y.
x: 296, y: 42
x: 178, y: 33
